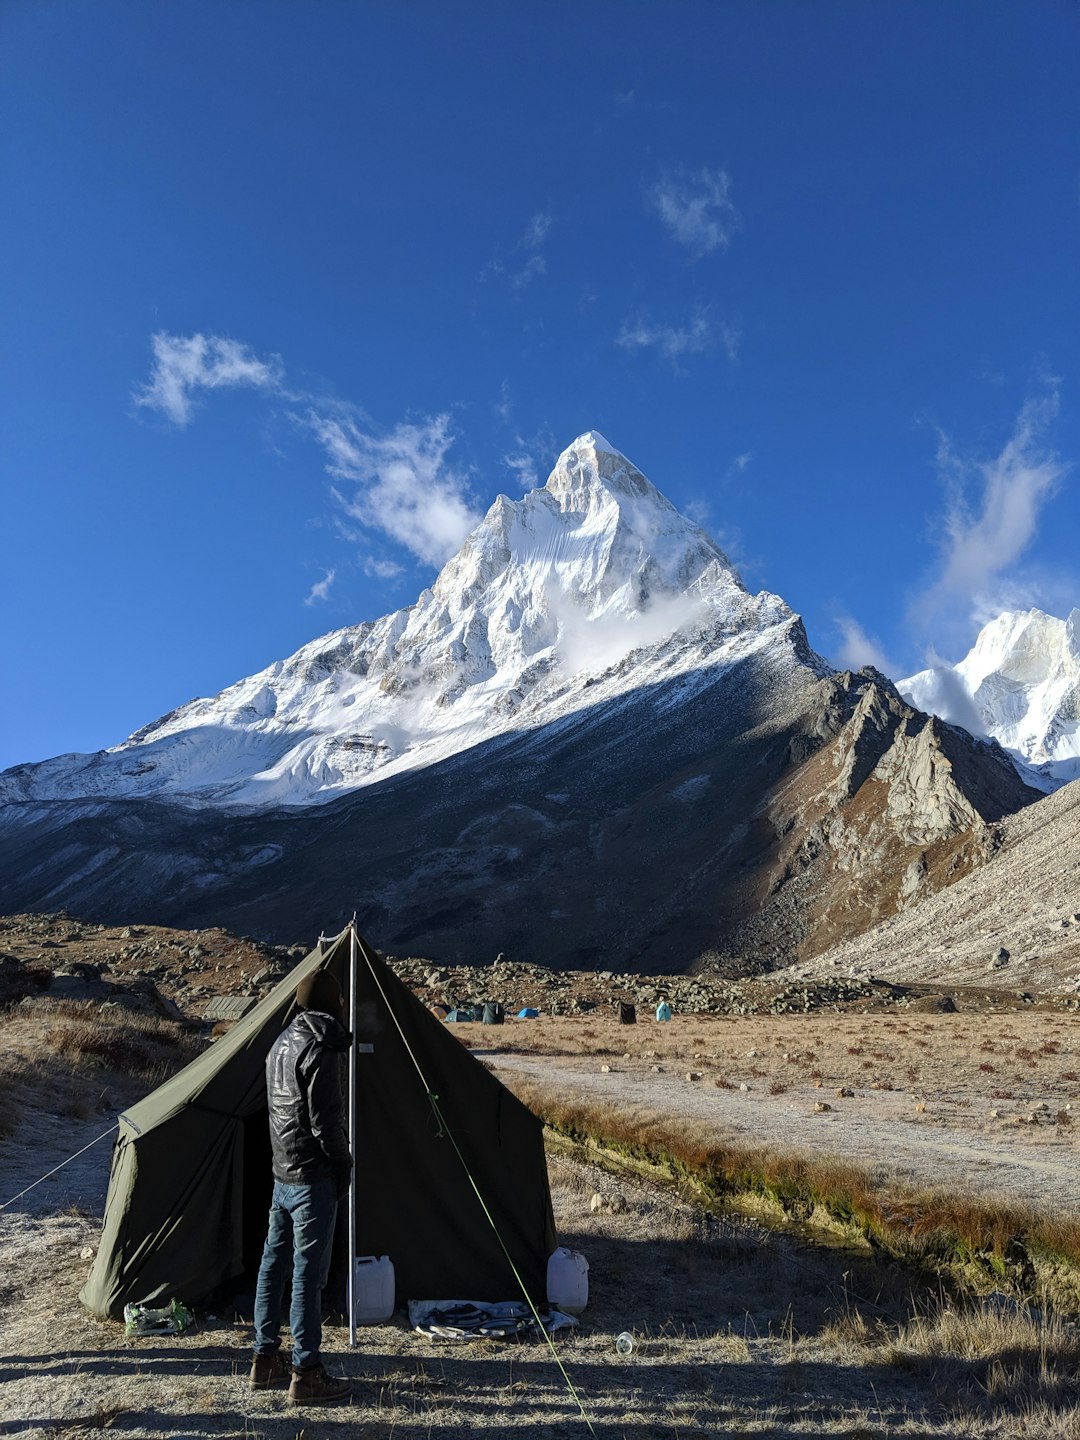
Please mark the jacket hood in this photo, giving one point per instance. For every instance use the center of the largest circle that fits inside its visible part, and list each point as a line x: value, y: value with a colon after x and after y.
x: 324, y: 1028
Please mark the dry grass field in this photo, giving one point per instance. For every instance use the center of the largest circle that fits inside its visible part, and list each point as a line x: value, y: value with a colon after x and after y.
x: 738, y: 1332
x: 741, y: 1328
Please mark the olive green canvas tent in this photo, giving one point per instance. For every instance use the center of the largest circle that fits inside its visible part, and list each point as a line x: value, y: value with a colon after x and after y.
x: 189, y: 1190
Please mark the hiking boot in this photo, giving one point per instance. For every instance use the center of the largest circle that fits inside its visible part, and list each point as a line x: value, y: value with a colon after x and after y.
x: 316, y: 1387
x: 269, y: 1369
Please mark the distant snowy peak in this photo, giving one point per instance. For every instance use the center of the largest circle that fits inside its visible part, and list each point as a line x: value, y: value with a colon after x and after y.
x: 1020, y: 684
x: 582, y: 590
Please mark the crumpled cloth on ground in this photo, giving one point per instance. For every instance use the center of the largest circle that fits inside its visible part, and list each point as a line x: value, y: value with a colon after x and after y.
x: 472, y: 1319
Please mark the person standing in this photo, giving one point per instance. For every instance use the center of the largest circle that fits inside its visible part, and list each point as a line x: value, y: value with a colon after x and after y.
x: 305, y: 1073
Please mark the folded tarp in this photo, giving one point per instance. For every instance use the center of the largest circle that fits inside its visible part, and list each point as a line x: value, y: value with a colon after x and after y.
x: 477, y: 1319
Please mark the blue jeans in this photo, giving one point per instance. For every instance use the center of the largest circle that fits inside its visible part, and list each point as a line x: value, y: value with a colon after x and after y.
x: 300, y: 1236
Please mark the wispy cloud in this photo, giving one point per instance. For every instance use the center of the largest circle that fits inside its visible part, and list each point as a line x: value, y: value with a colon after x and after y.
x: 536, y: 231
x: 321, y: 589
x: 696, y: 336
x: 523, y: 468
x: 402, y: 482
x: 526, y: 261
x: 738, y: 465
x: 186, y: 364
x: 857, y: 648
x: 529, y: 457
x: 697, y: 209
x: 992, y: 516
x: 403, y: 485
x: 381, y: 569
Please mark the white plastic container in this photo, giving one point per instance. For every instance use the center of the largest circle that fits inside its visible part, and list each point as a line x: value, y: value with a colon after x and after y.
x: 373, y: 1290
x: 568, y: 1281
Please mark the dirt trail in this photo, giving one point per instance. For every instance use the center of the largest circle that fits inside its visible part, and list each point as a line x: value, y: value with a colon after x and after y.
x: 946, y: 1146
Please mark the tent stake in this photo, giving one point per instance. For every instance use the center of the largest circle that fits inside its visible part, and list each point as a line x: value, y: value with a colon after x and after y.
x: 352, y: 1133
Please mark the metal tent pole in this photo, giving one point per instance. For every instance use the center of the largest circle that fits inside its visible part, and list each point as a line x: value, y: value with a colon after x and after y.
x: 352, y: 1132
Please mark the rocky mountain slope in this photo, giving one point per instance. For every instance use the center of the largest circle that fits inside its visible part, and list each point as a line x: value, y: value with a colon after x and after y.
x: 1014, y: 921
x: 587, y: 746
x: 1019, y: 684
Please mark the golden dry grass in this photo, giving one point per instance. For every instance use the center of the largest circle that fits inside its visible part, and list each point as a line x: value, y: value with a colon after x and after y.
x: 75, y: 1058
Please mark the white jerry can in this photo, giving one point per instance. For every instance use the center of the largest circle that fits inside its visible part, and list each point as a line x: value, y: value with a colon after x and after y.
x: 373, y: 1289
x: 568, y: 1281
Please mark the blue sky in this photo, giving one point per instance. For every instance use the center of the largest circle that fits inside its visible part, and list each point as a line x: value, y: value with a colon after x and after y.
x: 293, y: 290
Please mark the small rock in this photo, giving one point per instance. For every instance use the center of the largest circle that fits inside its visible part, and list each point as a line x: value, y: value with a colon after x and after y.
x: 605, y: 1069
x: 658, y: 1069
x: 822, y: 1107
x: 920, y: 1107
x: 995, y: 1114
x: 845, y: 1092
x: 693, y: 1075
x: 752, y: 1054
x: 87, y: 1252
x: 596, y: 1204
x: 744, y: 1087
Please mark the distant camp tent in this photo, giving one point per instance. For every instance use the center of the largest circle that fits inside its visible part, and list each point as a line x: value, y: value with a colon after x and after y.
x: 190, y: 1185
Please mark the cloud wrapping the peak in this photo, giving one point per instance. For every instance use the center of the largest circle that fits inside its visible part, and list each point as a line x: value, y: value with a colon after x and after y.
x: 185, y: 364
x: 983, y: 538
x: 402, y: 483
x: 697, y: 209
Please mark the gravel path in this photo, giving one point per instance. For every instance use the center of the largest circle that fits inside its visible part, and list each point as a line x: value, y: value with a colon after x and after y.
x: 948, y: 1146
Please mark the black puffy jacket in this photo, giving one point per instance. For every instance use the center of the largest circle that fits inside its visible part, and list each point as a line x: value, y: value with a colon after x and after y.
x: 305, y: 1073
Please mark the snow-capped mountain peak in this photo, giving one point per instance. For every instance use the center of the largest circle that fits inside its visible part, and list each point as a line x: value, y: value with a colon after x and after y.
x: 1020, y: 684
x: 581, y: 590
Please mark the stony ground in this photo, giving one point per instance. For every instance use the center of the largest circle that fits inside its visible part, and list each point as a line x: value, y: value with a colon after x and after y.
x: 982, y: 1104
x: 740, y: 1331
x: 737, y: 1331
x: 179, y: 972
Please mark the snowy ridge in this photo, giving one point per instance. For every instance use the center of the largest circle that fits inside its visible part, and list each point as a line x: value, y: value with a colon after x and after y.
x: 1019, y: 684
x: 585, y: 589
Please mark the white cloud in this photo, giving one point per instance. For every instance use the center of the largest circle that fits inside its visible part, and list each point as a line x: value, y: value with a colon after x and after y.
x: 519, y: 272
x: 991, y: 518
x: 536, y: 231
x: 534, y: 267
x: 857, y: 648
x: 184, y: 364
x: 403, y: 484
x: 696, y: 208
x: 524, y: 470
x: 321, y: 589
x: 504, y: 406
x: 381, y: 569
x: 699, y: 335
